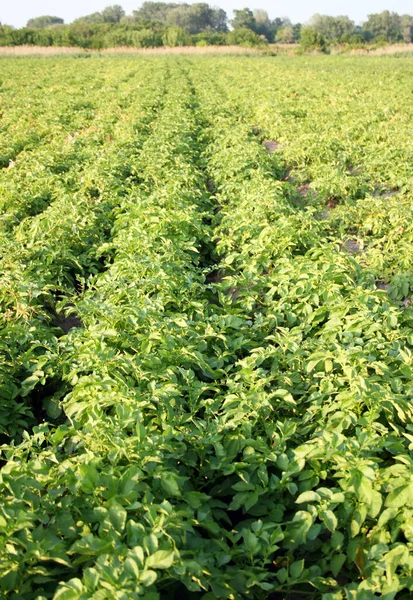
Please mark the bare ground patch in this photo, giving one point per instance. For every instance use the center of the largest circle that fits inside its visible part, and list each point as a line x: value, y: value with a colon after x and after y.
x: 271, y: 146
x: 352, y: 246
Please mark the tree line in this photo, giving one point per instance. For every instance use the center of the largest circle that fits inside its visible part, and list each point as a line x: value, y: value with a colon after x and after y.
x: 171, y: 24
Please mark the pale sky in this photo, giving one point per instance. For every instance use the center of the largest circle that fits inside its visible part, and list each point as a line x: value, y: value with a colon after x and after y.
x: 17, y: 12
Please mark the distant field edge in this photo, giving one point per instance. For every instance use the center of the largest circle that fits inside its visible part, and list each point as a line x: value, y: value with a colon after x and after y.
x: 55, y: 50
x: 271, y: 49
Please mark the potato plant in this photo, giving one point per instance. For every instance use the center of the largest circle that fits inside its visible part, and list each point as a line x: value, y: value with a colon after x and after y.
x: 206, y: 332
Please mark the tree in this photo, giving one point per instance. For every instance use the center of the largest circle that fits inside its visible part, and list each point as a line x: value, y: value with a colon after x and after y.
x: 92, y: 19
x: 197, y: 17
x: 45, y: 21
x: 406, y: 22
x: 175, y: 36
x: 244, y: 19
x: 245, y: 37
x: 193, y: 18
x: 311, y: 39
x: 259, y: 22
x: 333, y: 28
x: 110, y: 14
x: 385, y: 25
x: 285, y: 35
x: 219, y: 20
x: 154, y: 11
x: 263, y: 25
x: 113, y: 14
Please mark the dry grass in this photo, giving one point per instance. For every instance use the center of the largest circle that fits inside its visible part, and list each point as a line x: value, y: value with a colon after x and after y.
x: 392, y: 49
x: 284, y: 49
x: 36, y: 50
x: 53, y: 50
x: 287, y: 49
x: 182, y: 50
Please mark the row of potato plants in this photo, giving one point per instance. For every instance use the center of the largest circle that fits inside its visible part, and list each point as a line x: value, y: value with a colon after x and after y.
x: 106, y: 524
x: 342, y: 347
x: 343, y: 136
x: 49, y: 257
x: 65, y: 122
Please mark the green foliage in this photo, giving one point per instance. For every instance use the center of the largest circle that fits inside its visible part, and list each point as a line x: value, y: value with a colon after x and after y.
x: 285, y: 35
x: 333, y: 28
x: 45, y: 21
x: 175, y: 36
x: 110, y: 14
x: 210, y: 39
x: 112, y: 27
x: 197, y: 17
x: 387, y: 25
x: 228, y: 412
x: 193, y: 18
x: 311, y: 39
x: 154, y: 11
x: 244, y: 19
x: 247, y: 38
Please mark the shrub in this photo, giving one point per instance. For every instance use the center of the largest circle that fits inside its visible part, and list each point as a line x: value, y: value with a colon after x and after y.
x: 176, y: 36
x: 311, y: 40
x: 246, y: 37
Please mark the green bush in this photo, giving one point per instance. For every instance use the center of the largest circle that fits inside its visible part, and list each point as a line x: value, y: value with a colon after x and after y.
x: 246, y: 37
x: 311, y: 40
x: 176, y: 36
x: 210, y: 39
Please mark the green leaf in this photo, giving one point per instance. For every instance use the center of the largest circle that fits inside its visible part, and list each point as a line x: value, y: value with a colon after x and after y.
x: 337, y: 563
x: 363, y: 489
x: 309, y: 496
x: 401, y: 496
x: 282, y: 575
x: 161, y: 559
x: 72, y: 590
x: 376, y: 504
x: 170, y: 483
x: 328, y: 365
x: 52, y: 407
x: 329, y: 519
x: 251, y: 542
x: 148, y: 577
x: 132, y: 568
x: 296, y: 568
x: 117, y: 516
x: 8, y: 579
x: 296, y: 531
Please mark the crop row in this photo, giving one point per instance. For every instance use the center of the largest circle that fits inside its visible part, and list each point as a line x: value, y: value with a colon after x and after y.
x: 49, y: 257
x: 68, y: 128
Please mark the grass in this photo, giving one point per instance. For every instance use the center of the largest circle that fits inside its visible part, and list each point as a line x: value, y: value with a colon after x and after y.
x: 54, y: 50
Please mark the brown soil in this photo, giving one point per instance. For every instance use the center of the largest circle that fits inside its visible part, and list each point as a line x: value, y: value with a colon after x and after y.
x: 215, y: 276
x: 323, y: 216
x: 67, y: 323
x: 271, y: 146
x: 383, y: 193
x: 351, y: 246
x: 304, y: 189
x: 288, y: 177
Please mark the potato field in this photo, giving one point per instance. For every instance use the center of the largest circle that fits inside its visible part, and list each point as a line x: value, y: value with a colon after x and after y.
x: 207, y: 328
